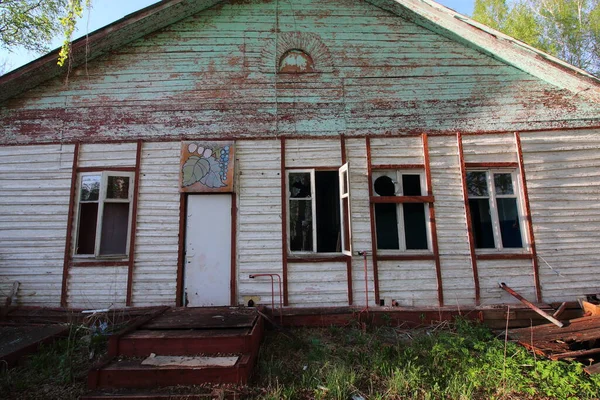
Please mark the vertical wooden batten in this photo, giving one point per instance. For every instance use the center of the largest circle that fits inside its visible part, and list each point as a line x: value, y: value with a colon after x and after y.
x: 233, y: 283
x: 136, y: 195
x: 180, y: 250
x: 535, y: 264
x: 284, y: 244
x: 68, y: 240
x: 372, y: 215
x: 347, y: 216
x: 463, y: 173
x: 434, y: 238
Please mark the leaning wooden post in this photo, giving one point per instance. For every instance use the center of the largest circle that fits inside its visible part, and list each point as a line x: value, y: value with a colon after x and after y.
x: 532, y: 306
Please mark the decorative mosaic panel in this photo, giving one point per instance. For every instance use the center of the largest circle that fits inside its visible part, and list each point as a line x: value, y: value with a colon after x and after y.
x: 207, y: 166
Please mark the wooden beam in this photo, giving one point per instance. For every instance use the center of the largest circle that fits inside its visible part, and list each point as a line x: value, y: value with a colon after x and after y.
x: 488, y: 165
x: 69, y: 235
x: 471, y: 236
x: 284, y: 243
x: 531, y: 305
x: 560, y: 310
x: 132, y: 237
x: 401, y: 199
x: 535, y: 264
x: 372, y: 215
x: 397, y: 166
x: 433, y: 223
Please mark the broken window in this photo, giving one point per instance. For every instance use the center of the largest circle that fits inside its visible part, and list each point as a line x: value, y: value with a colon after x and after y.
x: 495, y: 209
x: 401, y: 222
x: 104, y: 213
x: 315, y: 217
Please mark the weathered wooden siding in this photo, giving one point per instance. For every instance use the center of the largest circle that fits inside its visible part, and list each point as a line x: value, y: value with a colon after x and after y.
x: 410, y: 283
x: 563, y: 178
x: 397, y: 150
x: 214, y: 74
x: 259, y: 218
x: 157, y: 241
x: 499, y: 148
x: 35, y: 184
x: 107, y: 155
x: 455, y: 256
x: 318, y: 284
x: 313, y: 153
x: 97, y: 287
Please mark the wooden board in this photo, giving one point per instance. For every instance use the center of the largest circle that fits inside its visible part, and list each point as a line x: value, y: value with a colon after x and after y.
x: 204, y: 318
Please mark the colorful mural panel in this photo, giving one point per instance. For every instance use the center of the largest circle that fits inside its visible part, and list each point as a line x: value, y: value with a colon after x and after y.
x: 207, y: 167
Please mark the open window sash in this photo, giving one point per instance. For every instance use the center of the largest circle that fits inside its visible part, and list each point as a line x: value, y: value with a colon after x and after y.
x: 345, y: 210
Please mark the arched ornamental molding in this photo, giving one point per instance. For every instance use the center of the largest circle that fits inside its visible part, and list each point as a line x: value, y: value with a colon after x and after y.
x: 296, y: 52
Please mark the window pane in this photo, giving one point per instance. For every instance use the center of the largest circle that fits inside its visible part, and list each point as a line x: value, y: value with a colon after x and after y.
x: 86, y: 237
x: 503, y: 183
x: 301, y: 228
x: 386, y: 225
x: 117, y: 187
x: 114, y: 228
x: 414, y: 226
x: 300, y: 185
x: 384, y: 186
x: 90, y: 187
x: 510, y: 228
x: 482, y: 223
x: 477, y: 183
x: 411, y: 185
x: 328, y: 211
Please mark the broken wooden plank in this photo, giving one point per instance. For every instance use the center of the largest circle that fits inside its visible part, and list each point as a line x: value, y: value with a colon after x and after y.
x: 590, y: 309
x: 531, y: 305
x: 560, y: 310
x: 593, y: 369
x: 574, y: 354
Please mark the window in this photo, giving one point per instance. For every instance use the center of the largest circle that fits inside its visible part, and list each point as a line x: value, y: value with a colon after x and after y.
x: 315, y: 218
x: 495, y: 209
x: 104, y: 214
x: 402, y: 223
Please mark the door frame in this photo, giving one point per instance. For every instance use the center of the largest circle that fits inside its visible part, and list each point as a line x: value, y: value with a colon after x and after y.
x: 181, y: 250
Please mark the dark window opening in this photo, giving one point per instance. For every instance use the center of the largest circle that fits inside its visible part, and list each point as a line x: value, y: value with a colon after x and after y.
x: 86, y: 240
x: 481, y: 221
x: 328, y: 211
x: 115, y: 220
x: 414, y: 226
x: 386, y: 223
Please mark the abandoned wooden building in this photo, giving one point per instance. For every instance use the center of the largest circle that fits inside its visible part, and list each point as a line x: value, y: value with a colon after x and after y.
x: 198, y: 144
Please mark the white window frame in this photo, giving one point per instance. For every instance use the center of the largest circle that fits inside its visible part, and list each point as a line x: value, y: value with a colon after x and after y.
x: 400, y: 210
x: 345, y: 201
x: 492, y: 196
x: 104, y: 175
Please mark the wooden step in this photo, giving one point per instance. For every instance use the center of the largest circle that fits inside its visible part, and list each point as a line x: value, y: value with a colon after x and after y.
x: 185, y: 342
x: 167, y: 393
x: 130, y: 373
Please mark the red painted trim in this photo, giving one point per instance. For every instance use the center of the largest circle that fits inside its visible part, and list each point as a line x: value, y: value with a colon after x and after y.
x: 291, y: 259
x: 180, y: 250
x: 98, y: 169
x: 348, y: 228
x: 308, y: 137
x: 69, y: 235
x: 434, y: 236
x: 397, y: 166
x: 233, y: 284
x: 97, y: 263
x: 471, y: 236
x: 492, y: 165
x: 401, y: 199
x: 132, y: 237
x: 329, y: 168
x: 536, y: 267
x: 372, y: 215
x: 505, y: 256
x: 408, y: 257
x: 284, y: 242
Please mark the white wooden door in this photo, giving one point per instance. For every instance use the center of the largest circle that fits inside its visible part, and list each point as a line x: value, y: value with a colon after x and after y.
x: 207, y: 273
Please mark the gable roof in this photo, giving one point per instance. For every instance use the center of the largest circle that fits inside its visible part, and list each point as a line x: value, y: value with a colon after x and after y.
x: 426, y: 13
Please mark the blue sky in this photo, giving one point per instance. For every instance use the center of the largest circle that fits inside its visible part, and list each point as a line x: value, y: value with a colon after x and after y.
x: 106, y: 11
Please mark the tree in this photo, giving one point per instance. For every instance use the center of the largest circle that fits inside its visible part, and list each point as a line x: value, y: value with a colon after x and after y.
x: 568, y: 29
x: 32, y: 24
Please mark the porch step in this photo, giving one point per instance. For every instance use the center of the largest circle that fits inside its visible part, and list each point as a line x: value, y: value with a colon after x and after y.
x: 187, y: 342
x: 166, y: 393
x: 133, y: 374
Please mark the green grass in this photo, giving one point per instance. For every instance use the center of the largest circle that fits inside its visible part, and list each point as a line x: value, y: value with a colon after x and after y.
x: 462, y: 360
